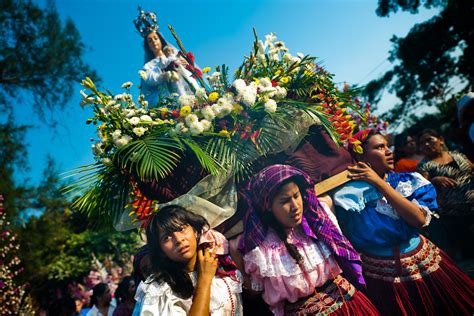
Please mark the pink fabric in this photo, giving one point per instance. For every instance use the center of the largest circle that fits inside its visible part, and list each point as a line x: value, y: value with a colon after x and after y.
x: 274, y: 271
x: 217, y: 240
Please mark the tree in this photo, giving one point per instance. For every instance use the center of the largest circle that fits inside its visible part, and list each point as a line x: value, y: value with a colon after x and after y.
x: 40, y: 57
x: 433, y: 62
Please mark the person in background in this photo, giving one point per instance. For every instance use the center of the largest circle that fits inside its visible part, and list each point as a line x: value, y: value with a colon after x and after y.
x: 381, y: 212
x: 451, y: 173
x: 124, y: 295
x: 406, y: 153
x: 465, y: 115
x: 101, y: 301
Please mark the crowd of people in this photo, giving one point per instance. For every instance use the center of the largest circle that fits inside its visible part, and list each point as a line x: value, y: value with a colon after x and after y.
x: 383, y: 243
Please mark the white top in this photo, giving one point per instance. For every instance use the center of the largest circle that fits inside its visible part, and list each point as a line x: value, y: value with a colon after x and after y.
x: 155, y: 299
x: 94, y: 311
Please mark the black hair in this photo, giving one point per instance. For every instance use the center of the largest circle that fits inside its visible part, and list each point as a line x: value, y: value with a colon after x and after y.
x: 121, y: 293
x: 170, y: 219
x: 148, y: 53
x: 97, y: 292
x: 270, y: 219
x: 400, y: 141
x: 65, y: 306
x: 430, y: 132
x: 138, y: 274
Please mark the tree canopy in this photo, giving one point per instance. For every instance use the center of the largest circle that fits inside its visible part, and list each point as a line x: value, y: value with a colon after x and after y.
x: 433, y: 62
x: 40, y: 56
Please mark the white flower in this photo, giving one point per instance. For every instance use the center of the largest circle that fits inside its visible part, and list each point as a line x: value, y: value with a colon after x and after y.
x: 129, y: 113
x: 225, y: 110
x: 280, y: 45
x: 270, y: 38
x: 190, y: 119
x: 119, y: 97
x: 265, y: 82
x: 187, y: 99
x: 122, y: 141
x: 145, y: 103
x: 127, y: 85
x: 275, y: 57
x: 206, y: 125
x: 250, y: 95
x: 201, y: 93
x: 280, y: 92
x: 196, y: 128
x: 139, y: 131
x: 134, y: 120
x: 84, y: 95
x: 270, y: 106
x: 97, y: 148
x: 180, y: 128
x: 116, y: 134
x: 239, y: 85
x: 216, y: 109
x: 208, y: 113
x: 111, y: 103
x: 260, y: 47
x: 287, y: 57
x: 146, y: 118
x: 214, y: 78
x: 142, y: 74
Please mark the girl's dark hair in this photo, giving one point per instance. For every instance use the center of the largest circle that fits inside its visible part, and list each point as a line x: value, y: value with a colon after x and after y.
x: 270, y: 219
x: 430, y: 132
x: 148, y: 53
x: 170, y: 219
x: 97, y: 292
x: 121, y: 293
x: 399, y: 142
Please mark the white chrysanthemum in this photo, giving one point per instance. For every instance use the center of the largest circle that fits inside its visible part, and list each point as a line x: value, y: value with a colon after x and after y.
x: 146, y: 118
x: 265, y: 82
x: 225, y: 110
x: 187, y: 99
x: 250, y: 95
x: 206, y: 125
x: 119, y: 97
x: 208, y: 113
x: 270, y: 106
x: 190, y: 119
x: 180, y: 128
x: 201, y: 93
x: 134, y: 120
x: 127, y: 85
x: 122, y: 141
x: 196, y: 128
x: 116, y: 134
x: 239, y: 85
x: 216, y: 108
x: 280, y: 92
x: 139, y: 131
x: 142, y: 74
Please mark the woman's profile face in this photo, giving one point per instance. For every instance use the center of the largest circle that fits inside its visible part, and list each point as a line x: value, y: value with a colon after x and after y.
x: 378, y: 154
x: 154, y: 43
x: 180, y: 245
x: 287, y: 205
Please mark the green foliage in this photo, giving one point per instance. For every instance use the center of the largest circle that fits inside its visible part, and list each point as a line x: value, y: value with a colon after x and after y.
x: 432, y: 62
x: 40, y: 56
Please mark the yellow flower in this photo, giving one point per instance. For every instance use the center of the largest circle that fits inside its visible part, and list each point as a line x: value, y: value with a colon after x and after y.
x: 101, y: 126
x: 206, y: 69
x: 257, y: 81
x: 224, y: 133
x: 358, y: 149
x: 285, y: 79
x: 308, y: 73
x: 213, y: 96
x: 185, y: 110
x: 164, y: 110
x: 277, y: 73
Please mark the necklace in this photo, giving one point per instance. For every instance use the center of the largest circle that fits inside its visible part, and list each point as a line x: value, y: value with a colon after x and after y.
x: 230, y: 296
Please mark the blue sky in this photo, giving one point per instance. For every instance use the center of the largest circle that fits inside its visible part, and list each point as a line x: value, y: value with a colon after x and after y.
x: 348, y: 37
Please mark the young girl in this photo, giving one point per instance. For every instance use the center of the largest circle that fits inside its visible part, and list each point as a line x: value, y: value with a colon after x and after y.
x: 406, y: 274
x: 191, y: 273
x: 293, y: 251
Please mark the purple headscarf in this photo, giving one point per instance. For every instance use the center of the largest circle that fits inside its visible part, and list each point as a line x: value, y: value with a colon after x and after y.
x: 316, y: 223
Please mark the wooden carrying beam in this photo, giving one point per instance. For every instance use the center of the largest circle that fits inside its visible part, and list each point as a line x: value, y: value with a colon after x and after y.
x: 320, y: 188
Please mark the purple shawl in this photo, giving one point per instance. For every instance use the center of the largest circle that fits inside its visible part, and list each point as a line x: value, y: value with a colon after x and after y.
x: 316, y: 223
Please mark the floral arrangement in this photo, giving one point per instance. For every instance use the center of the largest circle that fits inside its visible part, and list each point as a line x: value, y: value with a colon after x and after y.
x: 227, y: 125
